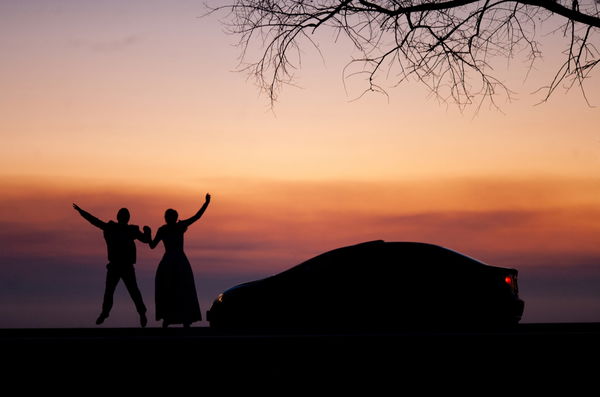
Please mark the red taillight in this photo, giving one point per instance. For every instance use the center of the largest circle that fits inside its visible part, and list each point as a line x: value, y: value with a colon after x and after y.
x: 511, y: 281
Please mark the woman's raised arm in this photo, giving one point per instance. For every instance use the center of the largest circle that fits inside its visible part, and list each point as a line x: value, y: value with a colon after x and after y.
x: 197, y: 215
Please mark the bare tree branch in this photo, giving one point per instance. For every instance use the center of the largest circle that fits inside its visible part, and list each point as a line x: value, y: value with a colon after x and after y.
x: 447, y: 45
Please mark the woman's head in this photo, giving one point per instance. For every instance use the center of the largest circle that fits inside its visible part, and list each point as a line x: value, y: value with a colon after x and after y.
x: 171, y: 216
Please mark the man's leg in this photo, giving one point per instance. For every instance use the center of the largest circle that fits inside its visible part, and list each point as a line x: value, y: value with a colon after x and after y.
x: 131, y: 284
x: 112, y: 279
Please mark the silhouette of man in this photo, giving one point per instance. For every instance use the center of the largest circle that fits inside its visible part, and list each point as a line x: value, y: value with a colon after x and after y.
x: 120, y: 243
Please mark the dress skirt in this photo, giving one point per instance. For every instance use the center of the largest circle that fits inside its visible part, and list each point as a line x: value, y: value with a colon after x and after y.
x: 175, y: 290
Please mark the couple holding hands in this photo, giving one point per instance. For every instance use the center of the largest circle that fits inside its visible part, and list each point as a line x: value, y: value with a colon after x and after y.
x: 175, y: 290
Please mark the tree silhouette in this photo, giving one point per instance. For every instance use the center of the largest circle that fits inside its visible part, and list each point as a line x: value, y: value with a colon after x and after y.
x: 447, y: 45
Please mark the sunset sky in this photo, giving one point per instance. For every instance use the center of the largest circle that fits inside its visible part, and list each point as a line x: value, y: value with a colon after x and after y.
x: 138, y: 104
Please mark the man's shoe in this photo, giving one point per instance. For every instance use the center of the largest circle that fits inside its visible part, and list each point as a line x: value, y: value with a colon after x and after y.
x: 143, y: 320
x: 101, y: 319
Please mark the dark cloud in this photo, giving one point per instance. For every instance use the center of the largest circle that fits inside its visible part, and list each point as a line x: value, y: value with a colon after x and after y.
x: 470, y: 221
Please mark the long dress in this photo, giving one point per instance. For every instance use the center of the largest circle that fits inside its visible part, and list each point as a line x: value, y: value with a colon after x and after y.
x: 175, y: 289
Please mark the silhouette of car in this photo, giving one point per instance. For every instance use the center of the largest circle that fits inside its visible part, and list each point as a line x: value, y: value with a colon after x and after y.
x: 386, y: 285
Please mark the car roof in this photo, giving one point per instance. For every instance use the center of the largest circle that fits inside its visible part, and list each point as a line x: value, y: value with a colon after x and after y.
x: 365, y: 248
x: 400, y: 245
x: 404, y: 248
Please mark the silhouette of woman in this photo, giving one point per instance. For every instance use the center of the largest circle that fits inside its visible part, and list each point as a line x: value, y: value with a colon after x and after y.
x: 175, y: 294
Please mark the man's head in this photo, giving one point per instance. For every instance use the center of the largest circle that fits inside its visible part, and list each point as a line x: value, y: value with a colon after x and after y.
x: 123, y: 216
x: 171, y: 216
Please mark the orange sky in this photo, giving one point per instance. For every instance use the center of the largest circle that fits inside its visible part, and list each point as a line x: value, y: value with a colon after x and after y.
x: 267, y: 225
x: 116, y: 92
x: 132, y: 104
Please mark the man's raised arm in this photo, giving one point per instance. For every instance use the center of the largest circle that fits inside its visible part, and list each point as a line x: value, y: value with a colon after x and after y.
x: 90, y: 218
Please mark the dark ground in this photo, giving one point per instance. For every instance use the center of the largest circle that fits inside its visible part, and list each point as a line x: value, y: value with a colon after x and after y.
x: 529, y: 358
